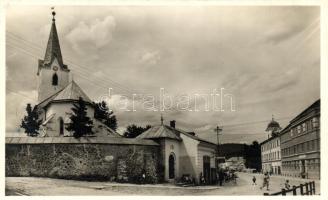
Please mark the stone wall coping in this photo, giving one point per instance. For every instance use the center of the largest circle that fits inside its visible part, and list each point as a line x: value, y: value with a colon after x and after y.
x: 82, y: 140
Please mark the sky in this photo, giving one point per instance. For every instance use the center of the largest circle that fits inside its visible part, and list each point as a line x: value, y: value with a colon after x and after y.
x: 266, y: 58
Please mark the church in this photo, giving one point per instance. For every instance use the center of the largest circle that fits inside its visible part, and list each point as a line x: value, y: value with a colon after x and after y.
x: 57, y: 94
x: 180, y: 153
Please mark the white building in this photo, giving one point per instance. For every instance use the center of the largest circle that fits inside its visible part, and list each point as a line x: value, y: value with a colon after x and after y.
x: 271, y: 150
x: 56, y: 94
x: 183, y: 153
x: 271, y: 156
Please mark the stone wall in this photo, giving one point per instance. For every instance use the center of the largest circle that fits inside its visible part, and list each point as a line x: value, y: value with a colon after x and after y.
x: 104, y: 161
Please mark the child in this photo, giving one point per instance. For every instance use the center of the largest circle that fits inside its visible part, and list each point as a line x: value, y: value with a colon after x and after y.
x: 287, y: 186
x: 254, y: 180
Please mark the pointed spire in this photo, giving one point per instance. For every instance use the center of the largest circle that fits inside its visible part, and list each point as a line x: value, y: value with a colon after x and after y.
x: 162, y: 119
x: 53, y: 46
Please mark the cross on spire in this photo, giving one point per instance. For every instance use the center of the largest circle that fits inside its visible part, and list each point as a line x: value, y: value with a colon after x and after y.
x: 53, y: 46
x: 53, y: 13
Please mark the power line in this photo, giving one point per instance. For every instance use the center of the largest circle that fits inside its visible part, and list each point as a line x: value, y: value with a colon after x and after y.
x: 33, y: 55
x: 77, y: 70
x: 81, y: 68
x: 22, y: 95
x: 255, y: 122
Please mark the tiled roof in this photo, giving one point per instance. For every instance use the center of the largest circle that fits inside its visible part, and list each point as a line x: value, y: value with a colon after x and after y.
x: 164, y: 131
x: 53, y: 47
x: 71, y: 92
x: 315, y: 105
x: 161, y: 131
x: 82, y: 140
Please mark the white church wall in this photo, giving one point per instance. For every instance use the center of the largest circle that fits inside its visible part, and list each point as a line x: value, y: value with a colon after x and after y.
x: 188, y: 156
x: 62, y: 110
x: 45, y: 87
x: 172, y: 147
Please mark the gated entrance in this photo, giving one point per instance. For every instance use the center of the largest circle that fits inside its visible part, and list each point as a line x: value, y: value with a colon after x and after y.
x: 207, y: 169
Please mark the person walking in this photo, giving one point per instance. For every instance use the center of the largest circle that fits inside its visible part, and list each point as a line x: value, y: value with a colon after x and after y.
x: 266, y: 180
x: 221, y: 177
x: 254, y: 180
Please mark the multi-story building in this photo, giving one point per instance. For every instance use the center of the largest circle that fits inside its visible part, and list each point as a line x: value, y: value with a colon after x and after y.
x: 300, y: 144
x: 271, y: 158
x: 270, y: 150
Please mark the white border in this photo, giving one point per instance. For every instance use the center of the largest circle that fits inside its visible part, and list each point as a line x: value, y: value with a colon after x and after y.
x: 324, y: 73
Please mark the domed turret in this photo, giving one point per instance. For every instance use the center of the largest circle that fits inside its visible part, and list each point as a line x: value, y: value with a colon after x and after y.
x: 273, y: 127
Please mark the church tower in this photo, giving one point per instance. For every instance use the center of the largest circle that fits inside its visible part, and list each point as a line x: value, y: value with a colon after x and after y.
x: 53, y: 74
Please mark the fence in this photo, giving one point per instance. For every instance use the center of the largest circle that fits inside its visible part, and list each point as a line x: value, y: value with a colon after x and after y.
x: 304, y: 189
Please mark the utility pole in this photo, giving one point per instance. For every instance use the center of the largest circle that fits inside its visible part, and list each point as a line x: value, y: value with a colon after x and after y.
x: 218, y: 130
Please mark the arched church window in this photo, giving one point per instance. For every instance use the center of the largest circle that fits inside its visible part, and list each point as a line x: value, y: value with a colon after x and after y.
x: 61, y: 126
x: 55, y: 79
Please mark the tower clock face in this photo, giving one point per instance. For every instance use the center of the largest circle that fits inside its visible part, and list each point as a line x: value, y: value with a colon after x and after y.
x: 55, y: 68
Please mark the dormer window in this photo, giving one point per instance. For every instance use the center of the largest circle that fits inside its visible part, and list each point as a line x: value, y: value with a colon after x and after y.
x: 54, y: 79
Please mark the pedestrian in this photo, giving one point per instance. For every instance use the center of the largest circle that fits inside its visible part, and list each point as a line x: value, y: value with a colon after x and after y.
x: 234, y: 176
x: 287, y: 186
x: 254, y: 180
x: 201, y: 179
x: 221, y: 176
x: 143, y: 178
x: 265, y: 181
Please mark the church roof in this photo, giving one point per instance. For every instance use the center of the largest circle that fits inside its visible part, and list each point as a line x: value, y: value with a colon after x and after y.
x: 53, y: 46
x: 72, y: 92
x: 53, y: 49
x: 164, y: 131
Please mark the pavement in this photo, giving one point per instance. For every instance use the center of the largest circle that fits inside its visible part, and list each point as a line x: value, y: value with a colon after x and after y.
x: 35, y: 186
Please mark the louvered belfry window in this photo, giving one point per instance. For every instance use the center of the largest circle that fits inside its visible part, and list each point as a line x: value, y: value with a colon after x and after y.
x: 55, y: 79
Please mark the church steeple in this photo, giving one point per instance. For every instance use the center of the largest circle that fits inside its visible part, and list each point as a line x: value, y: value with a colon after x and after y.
x: 53, y: 74
x: 53, y: 46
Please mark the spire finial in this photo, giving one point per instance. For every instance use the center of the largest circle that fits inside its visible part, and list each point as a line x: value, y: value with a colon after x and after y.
x: 162, y: 119
x: 53, y: 13
x: 272, y: 117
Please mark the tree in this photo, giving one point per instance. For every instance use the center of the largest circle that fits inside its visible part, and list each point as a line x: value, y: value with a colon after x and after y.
x: 31, y: 122
x: 253, y: 156
x: 106, y: 116
x: 133, y: 130
x: 80, y: 124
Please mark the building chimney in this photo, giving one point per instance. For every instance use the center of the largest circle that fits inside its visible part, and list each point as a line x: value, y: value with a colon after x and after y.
x: 172, y: 123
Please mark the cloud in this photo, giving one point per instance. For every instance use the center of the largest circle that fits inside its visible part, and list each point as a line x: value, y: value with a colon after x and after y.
x: 207, y: 127
x: 15, y: 107
x: 150, y: 57
x: 97, y: 33
x: 222, y: 46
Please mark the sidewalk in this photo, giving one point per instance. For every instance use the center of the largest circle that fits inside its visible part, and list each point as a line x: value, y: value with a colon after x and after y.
x: 164, y: 185
x: 277, y: 181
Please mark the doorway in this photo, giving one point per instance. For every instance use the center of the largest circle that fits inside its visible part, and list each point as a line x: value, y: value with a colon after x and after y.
x: 207, y: 169
x: 171, y: 166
